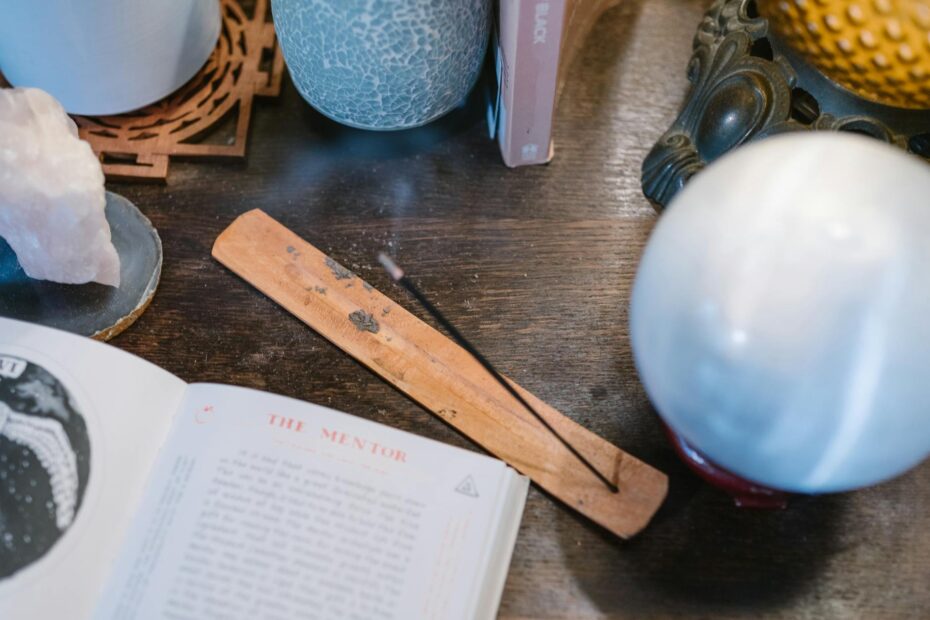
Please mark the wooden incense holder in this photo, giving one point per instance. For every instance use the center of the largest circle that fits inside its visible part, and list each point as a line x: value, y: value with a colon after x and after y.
x: 440, y: 375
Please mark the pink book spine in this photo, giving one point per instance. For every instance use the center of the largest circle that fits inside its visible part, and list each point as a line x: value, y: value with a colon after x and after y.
x: 530, y: 33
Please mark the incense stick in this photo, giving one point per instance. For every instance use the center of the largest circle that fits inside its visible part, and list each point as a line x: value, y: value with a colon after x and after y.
x: 398, y: 275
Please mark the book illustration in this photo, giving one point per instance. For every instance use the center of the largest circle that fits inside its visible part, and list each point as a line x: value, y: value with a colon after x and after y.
x: 48, y: 441
x: 467, y: 487
x: 44, y: 462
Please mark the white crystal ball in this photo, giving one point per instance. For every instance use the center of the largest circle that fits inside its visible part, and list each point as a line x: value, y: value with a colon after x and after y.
x: 780, y: 318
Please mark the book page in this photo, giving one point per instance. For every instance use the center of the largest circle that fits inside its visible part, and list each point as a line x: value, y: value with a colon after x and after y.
x: 80, y: 426
x: 266, y: 507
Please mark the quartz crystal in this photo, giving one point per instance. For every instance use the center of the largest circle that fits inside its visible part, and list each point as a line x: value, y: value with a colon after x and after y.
x: 780, y: 318
x: 52, y: 197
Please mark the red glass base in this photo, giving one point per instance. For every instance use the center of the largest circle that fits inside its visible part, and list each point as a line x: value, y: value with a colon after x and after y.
x: 745, y: 494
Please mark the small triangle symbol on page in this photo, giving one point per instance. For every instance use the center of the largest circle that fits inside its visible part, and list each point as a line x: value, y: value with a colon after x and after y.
x: 467, y: 487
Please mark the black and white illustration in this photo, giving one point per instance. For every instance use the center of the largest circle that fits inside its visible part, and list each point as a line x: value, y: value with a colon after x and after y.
x: 44, y: 462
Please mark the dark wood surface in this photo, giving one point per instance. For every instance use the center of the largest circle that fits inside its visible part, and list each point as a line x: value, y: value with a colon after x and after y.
x: 535, y: 265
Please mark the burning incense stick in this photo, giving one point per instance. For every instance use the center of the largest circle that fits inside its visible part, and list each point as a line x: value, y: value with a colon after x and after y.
x: 397, y: 274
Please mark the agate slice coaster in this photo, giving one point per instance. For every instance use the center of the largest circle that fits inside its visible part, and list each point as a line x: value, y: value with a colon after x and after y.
x: 94, y: 310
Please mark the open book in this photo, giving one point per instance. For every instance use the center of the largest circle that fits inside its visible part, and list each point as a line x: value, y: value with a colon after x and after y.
x: 126, y: 493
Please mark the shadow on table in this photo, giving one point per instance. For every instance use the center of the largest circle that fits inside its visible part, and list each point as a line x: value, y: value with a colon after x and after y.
x: 340, y: 142
x: 588, y: 93
x: 702, y: 554
x: 321, y: 158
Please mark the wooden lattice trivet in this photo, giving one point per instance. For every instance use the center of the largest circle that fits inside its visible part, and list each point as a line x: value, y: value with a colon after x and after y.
x: 246, y: 62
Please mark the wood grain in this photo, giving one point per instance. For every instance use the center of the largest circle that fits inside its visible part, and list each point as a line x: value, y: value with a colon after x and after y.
x: 535, y: 265
x: 580, y: 18
x: 439, y: 374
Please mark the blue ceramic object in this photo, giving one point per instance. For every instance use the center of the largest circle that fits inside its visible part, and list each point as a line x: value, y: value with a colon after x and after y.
x: 383, y: 64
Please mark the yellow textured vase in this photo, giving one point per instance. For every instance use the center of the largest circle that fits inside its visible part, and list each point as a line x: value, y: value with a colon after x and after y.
x: 879, y: 49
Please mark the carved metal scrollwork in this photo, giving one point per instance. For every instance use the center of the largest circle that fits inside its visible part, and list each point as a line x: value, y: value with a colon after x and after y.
x: 746, y: 86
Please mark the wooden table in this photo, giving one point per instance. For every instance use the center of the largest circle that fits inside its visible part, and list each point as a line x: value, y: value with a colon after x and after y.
x: 536, y: 266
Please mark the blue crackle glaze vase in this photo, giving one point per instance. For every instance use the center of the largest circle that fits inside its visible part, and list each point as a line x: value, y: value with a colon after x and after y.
x: 383, y: 64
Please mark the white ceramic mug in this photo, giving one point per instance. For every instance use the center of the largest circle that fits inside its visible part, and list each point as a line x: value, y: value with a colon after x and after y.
x: 106, y: 56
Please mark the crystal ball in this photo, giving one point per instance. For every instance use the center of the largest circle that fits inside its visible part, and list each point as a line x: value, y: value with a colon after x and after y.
x: 780, y: 317
x: 879, y: 49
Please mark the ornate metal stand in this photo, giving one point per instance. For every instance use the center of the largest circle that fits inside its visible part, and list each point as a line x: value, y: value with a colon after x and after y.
x: 746, y: 86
